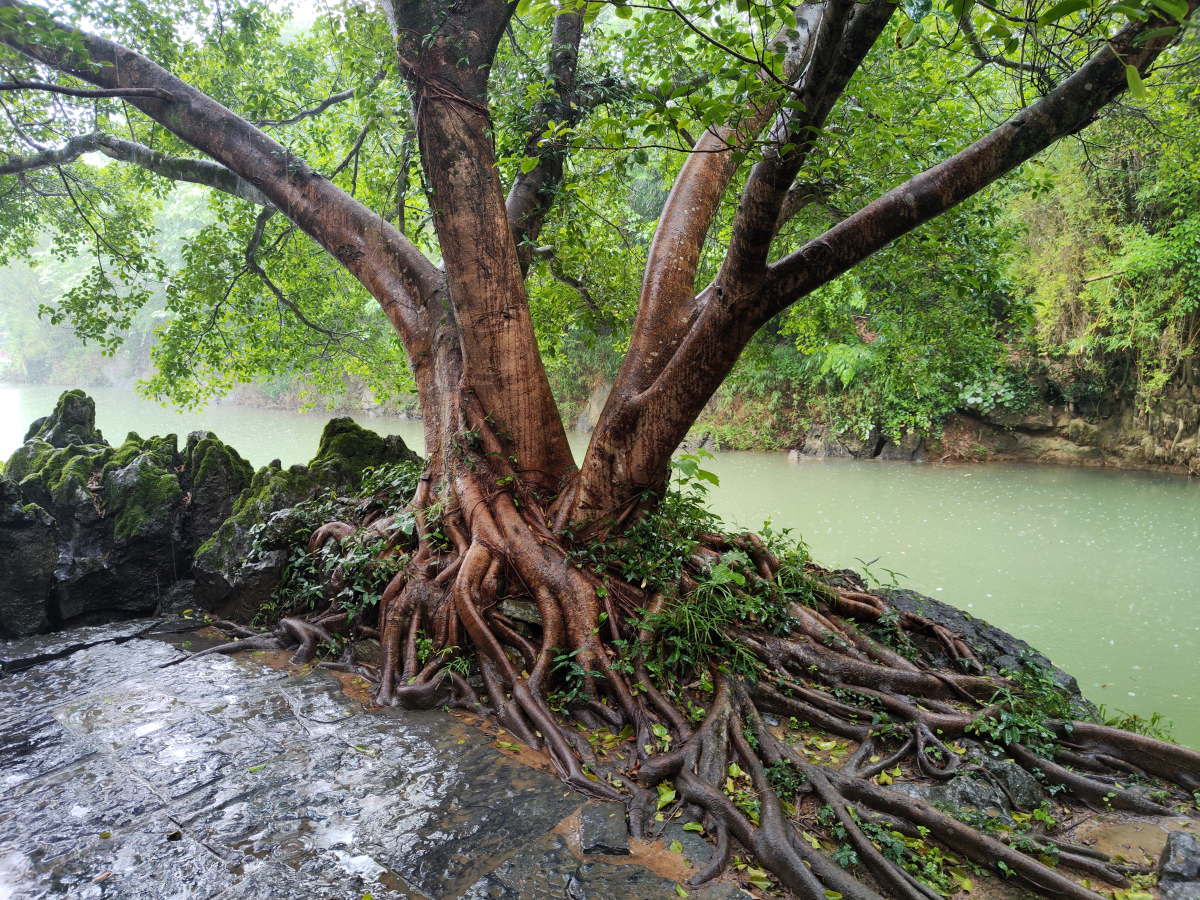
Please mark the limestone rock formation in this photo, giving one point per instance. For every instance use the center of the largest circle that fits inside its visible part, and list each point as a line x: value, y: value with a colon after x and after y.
x: 234, y: 581
x: 90, y: 532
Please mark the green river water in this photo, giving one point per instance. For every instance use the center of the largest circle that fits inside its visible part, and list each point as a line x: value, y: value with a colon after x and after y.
x: 1097, y: 568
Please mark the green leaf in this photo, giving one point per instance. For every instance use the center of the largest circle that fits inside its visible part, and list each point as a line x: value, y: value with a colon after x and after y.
x: 666, y: 794
x: 509, y: 745
x: 624, y: 12
x: 1062, y: 9
x: 676, y: 847
x: 257, y: 768
x: 917, y: 9
x: 523, y: 7
x: 1154, y: 33
x: 694, y: 826
x: 105, y: 835
x: 832, y: 895
x: 680, y: 891
x: 1136, y: 87
x: 1177, y: 9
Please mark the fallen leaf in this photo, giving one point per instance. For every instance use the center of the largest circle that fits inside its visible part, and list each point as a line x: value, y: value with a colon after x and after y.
x: 676, y: 847
x: 509, y: 745
x: 680, y: 891
x: 816, y: 845
x: 694, y: 826
x: 257, y: 768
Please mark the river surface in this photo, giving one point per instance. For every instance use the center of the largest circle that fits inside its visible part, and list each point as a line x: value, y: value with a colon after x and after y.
x: 1099, y: 569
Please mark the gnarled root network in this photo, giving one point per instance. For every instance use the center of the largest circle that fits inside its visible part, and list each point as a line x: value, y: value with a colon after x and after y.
x: 887, y: 692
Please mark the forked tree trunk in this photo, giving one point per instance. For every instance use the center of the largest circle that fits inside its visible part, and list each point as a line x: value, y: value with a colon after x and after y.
x: 510, y: 506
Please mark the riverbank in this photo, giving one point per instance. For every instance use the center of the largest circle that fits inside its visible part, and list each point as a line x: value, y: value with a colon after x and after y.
x: 1116, y: 434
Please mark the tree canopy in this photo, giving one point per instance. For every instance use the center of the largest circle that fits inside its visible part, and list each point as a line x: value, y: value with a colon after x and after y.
x: 249, y: 296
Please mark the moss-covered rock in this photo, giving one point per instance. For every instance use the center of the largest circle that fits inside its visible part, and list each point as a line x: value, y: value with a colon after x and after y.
x: 347, y: 448
x: 232, y: 587
x: 72, y: 422
x: 93, y: 532
x: 142, y: 495
x: 218, y: 476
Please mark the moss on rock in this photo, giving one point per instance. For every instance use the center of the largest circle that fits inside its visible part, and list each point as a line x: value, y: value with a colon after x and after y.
x: 347, y: 448
x: 142, y: 493
x: 72, y: 422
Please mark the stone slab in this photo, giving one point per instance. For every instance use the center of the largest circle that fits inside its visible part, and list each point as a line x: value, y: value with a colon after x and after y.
x: 22, y: 653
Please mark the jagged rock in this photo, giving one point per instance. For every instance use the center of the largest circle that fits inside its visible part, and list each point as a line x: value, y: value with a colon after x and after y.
x: 910, y: 446
x: 179, y: 598
x: 28, y: 556
x: 820, y: 442
x: 239, y: 567
x: 1041, y: 418
x: 970, y: 792
x: 91, y: 532
x: 347, y: 448
x: 1179, y: 867
x: 72, y: 422
x: 702, y: 440
x: 1021, y: 786
x: 218, y: 477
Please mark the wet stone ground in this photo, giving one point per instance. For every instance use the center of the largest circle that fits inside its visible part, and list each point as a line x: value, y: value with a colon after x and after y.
x: 227, y: 777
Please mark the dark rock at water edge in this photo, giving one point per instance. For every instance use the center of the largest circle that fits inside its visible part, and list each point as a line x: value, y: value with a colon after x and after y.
x: 993, y: 647
x: 90, y: 532
x: 233, y: 581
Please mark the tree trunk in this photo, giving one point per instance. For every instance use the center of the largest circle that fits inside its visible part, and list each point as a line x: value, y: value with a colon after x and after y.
x: 500, y: 510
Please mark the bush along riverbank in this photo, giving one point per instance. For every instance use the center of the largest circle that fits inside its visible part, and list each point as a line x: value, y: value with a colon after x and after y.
x: 879, y: 741
x: 1042, y: 426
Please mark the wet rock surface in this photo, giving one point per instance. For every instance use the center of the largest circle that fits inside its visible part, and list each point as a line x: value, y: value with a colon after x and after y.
x: 227, y: 777
x: 602, y: 829
x: 1179, y: 867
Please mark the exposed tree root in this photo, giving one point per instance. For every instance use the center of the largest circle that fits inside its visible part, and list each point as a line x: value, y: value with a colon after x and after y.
x: 589, y: 686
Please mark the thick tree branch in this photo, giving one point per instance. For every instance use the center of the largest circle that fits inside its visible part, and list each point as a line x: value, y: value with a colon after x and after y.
x: 848, y: 32
x: 175, y: 168
x: 57, y: 156
x: 639, y: 432
x: 532, y: 192
x: 86, y: 93
x: 1063, y: 111
x: 666, y: 307
x: 387, y: 264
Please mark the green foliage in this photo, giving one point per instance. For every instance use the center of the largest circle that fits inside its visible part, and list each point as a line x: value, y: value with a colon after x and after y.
x: 365, y: 569
x: 1156, y: 726
x: 891, y: 346
x: 1110, y: 258
x: 1023, y: 713
x: 785, y: 780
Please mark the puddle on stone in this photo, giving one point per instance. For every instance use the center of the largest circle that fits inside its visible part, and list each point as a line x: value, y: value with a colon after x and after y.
x: 1135, y: 841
